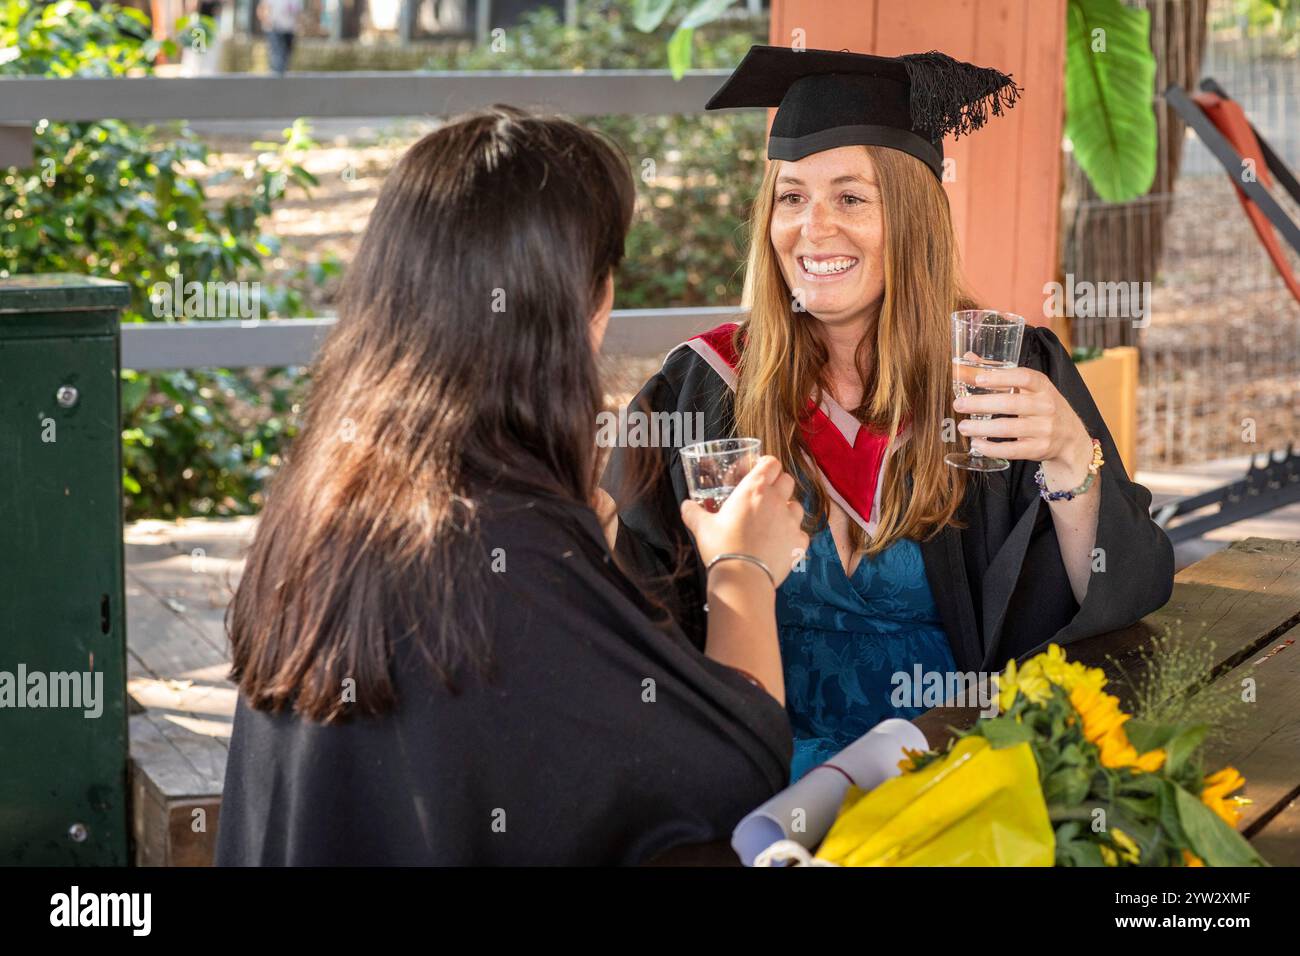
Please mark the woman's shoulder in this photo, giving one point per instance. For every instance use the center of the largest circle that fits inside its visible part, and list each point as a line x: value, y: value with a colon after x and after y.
x: 537, y: 524
x: 709, y: 352
x: 695, y: 375
x: 1041, y: 349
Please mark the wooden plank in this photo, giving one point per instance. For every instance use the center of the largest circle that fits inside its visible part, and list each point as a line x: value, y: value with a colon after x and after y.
x: 1239, y: 599
x: 218, y: 537
x: 164, y: 641
x: 415, y: 93
x: 177, y: 832
x: 180, y: 580
x: 1039, y: 120
x: 177, y: 761
x: 949, y: 25
x: 1266, y: 748
x: 190, y: 571
x: 1279, y: 841
x: 206, y: 698
x: 295, y: 341
x: 997, y: 157
x: 939, y: 723
x: 174, y: 772
x: 167, y: 770
x: 192, y: 831
x: 823, y: 26
x: 148, y: 815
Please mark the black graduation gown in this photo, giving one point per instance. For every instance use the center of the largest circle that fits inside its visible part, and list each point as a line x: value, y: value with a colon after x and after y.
x: 999, y: 583
x: 559, y: 760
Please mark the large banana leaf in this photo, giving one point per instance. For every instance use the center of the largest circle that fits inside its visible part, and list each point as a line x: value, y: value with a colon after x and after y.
x: 648, y: 14
x: 1109, y: 85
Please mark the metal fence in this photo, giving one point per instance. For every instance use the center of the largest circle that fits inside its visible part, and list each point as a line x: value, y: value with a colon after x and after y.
x: 1220, y: 369
x: 27, y: 100
x: 154, y: 346
x: 293, y: 342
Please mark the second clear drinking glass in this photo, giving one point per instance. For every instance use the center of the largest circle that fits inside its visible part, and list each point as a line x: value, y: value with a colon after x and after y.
x: 982, y: 339
x: 714, y: 468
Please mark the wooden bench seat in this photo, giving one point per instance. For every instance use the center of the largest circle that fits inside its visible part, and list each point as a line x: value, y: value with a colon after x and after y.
x: 179, y: 580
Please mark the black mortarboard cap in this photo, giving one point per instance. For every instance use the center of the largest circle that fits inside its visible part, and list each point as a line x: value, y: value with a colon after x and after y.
x: 828, y: 99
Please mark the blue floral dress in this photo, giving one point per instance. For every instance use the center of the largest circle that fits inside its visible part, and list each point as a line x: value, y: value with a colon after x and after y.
x: 843, y: 638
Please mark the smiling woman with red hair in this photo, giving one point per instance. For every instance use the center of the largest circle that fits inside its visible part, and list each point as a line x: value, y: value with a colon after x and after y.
x: 844, y: 371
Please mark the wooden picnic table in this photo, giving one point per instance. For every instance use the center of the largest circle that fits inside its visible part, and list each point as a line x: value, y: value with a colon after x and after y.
x: 1234, y: 615
x: 1237, y: 612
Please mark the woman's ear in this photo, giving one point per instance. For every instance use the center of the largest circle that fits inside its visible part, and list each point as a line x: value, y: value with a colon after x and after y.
x: 600, y: 318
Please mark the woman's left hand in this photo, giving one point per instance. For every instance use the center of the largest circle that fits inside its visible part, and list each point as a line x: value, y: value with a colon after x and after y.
x: 1045, y: 428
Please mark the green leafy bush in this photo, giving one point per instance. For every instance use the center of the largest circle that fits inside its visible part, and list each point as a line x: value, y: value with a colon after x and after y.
x: 126, y: 202
x: 696, y: 173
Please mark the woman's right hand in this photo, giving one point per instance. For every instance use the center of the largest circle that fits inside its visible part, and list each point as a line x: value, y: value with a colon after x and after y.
x: 758, y: 518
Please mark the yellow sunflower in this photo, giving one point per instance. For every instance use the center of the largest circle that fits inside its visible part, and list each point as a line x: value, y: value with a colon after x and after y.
x: 1028, y: 680
x: 1128, y: 850
x: 1035, y: 678
x: 1103, y: 721
x: 1215, y: 795
x: 1103, y: 725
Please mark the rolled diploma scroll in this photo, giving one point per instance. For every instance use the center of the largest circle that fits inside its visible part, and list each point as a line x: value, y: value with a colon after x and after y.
x: 805, y: 811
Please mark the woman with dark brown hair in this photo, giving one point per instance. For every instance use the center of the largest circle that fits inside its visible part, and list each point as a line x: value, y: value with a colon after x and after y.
x: 439, y: 661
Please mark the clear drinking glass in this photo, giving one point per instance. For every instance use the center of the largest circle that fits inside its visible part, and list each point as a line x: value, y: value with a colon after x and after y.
x: 982, y: 339
x: 714, y: 468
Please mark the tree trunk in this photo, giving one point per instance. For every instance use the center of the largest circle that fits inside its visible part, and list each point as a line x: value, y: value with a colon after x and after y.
x: 1124, y: 242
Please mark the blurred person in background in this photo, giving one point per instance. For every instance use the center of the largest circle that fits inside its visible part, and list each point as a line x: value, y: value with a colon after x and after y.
x: 280, y: 20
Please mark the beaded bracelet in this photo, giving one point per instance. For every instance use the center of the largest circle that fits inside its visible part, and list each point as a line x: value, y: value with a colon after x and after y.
x: 1094, y: 466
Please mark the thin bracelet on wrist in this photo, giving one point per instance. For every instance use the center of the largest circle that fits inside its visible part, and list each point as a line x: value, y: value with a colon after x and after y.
x: 739, y: 556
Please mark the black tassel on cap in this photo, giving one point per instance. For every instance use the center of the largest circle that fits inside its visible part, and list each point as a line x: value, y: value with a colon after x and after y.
x: 949, y: 96
x: 827, y: 99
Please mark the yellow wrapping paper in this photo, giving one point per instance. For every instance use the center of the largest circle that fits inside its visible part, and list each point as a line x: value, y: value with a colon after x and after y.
x: 975, y: 807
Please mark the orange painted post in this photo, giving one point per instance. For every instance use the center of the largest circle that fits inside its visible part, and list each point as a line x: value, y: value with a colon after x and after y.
x: 1005, y: 192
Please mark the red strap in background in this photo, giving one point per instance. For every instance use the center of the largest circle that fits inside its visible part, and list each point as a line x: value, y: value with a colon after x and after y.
x: 1230, y: 120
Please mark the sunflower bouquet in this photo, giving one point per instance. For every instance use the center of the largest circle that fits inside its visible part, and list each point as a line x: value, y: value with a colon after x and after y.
x: 1062, y: 775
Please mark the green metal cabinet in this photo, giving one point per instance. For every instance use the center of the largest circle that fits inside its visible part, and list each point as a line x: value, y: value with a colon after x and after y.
x: 62, y: 770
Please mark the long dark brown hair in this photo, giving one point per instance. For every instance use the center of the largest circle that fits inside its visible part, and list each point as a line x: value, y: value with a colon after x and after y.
x: 461, y: 360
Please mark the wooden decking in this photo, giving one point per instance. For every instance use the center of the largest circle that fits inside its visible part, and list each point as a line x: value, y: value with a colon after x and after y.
x: 179, y: 580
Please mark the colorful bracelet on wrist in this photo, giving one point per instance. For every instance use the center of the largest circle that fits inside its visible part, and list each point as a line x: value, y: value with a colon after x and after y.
x: 1094, y: 467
